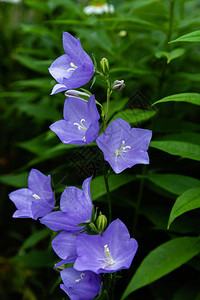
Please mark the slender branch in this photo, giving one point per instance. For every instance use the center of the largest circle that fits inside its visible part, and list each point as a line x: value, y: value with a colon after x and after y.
x: 182, y: 9
x: 139, y: 200
x: 171, y: 20
x: 105, y: 173
x: 107, y: 104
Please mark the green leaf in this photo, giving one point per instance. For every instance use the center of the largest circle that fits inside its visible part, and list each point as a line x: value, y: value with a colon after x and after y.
x: 40, y: 111
x: 35, y: 238
x: 134, y: 116
x: 170, y: 55
x: 133, y: 71
x: 36, y: 259
x: 193, y: 98
x: 173, y: 183
x: 183, y: 149
x: 189, y: 200
x: 19, y: 180
x: 189, y: 37
x: 114, y: 106
x: 98, y: 188
x: 40, y: 66
x: 162, y: 260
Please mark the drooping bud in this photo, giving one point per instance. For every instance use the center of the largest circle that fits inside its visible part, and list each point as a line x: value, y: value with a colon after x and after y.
x: 77, y: 94
x: 105, y: 65
x: 101, y: 223
x: 118, y: 85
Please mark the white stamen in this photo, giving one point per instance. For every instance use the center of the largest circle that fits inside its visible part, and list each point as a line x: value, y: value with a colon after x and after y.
x: 81, y: 126
x: 73, y: 67
x: 109, y: 260
x: 122, y: 149
x: 36, y: 196
x: 82, y: 276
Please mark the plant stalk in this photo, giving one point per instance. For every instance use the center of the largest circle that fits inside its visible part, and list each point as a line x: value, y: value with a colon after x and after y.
x: 171, y: 20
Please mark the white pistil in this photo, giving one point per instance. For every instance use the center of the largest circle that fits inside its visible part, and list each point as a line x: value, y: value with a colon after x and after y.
x: 82, y: 276
x: 109, y: 260
x: 122, y: 149
x: 81, y: 126
x: 73, y: 67
x: 36, y: 196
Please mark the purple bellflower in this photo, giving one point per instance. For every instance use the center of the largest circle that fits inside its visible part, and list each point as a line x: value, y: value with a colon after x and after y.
x: 35, y: 201
x: 73, y: 69
x: 80, y: 285
x: 80, y: 125
x: 76, y: 207
x: 64, y: 246
x: 123, y: 146
x: 109, y: 252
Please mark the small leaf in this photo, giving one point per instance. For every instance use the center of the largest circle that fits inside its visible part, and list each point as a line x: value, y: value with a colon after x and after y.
x: 36, y: 259
x: 35, y: 238
x: 173, y: 183
x: 189, y: 200
x: 19, y: 180
x: 98, y: 187
x: 189, y: 37
x: 183, y: 149
x: 162, y: 260
x: 193, y: 98
x: 170, y: 55
x: 134, y: 116
x: 40, y: 66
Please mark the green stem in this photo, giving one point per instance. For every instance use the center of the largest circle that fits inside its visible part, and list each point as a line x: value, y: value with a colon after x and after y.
x: 182, y: 4
x: 105, y: 173
x: 109, y: 92
x: 107, y: 105
x: 139, y: 200
x: 171, y: 20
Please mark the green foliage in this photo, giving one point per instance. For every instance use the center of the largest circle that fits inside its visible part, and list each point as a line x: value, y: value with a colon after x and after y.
x: 189, y: 37
x: 189, y: 200
x: 162, y: 261
x: 193, y: 98
x: 170, y: 55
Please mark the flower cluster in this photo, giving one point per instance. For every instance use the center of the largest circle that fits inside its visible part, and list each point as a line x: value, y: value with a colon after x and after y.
x: 83, y: 239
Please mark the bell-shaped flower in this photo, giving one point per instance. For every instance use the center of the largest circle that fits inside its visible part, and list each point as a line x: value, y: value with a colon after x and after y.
x: 109, y: 252
x: 35, y: 201
x: 80, y: 125
x: 80, y: 285
x: 123, y: 146
x: 64, y: 245
x: 73, y: 69
x: 76, y: 207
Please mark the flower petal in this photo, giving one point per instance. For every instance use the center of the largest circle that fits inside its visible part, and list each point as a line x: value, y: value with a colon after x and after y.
x: 80, y: 285
x: 68, y: 133
x: 60, y: 221
x: 64, y: 245
x: 58, y: 88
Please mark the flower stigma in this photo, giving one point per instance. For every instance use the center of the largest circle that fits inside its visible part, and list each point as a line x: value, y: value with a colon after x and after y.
x: 122, y: 149
x: 109, y: 260
x: 82, y: 276
x: 81, y: 126
x: 73, y: 67
x: 36, y: 196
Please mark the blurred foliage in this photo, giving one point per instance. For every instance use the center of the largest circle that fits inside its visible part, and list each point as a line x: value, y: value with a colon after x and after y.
x: 135, y: 39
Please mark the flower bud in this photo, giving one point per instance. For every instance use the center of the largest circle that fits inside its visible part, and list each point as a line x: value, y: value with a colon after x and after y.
x: 105, y: 65
x: 118, y: 85
x: 122, y: 33
x: 101, y: 223
x: 77, y: 94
